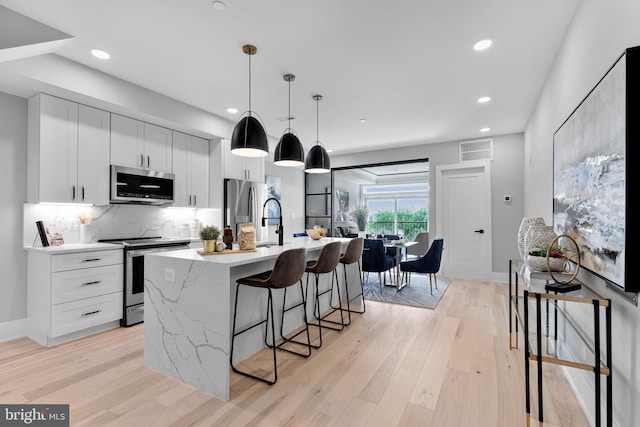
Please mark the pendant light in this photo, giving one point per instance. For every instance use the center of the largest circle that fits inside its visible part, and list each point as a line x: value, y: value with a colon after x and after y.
x: 317, y: 160
x: 249, y: 138
x: 289, y: 151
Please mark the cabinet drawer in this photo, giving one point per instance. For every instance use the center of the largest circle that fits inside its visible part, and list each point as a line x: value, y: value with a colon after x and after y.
x: 77, y: 315
x: 73, y: 285
x: 75, y: 261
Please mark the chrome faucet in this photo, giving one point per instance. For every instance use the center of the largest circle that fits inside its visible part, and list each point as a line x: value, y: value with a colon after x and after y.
x: 280, y: 230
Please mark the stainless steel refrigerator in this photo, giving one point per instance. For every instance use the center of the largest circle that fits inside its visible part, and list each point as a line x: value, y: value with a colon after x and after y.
x: 243, y: 202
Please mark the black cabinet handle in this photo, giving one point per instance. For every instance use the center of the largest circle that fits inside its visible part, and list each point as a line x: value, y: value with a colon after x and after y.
x: 92, y: 283
x: 481, y: 231
x: 91, y: 313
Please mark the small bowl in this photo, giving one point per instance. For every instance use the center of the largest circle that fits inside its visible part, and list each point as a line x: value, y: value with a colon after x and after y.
x: 313, y: 233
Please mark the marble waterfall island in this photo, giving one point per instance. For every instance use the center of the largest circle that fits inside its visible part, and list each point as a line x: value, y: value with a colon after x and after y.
x: 189, y: 307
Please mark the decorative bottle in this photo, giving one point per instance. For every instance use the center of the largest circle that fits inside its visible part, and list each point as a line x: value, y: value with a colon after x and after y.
x: 227, y: 237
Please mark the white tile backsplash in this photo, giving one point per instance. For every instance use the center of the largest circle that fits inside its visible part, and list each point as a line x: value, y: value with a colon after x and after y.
x: 114, y: 221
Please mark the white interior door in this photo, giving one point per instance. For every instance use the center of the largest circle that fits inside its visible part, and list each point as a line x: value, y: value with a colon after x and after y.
x: 463, y: 219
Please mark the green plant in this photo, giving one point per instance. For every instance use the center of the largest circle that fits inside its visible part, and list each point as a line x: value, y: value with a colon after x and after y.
x: 210, y: 232
x: 360, y: 215
x: 554, y: 252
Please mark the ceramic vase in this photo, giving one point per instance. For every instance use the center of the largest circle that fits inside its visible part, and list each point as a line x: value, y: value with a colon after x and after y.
x: 209, y: 246
x: 537, y: 237
x: 522, y: 231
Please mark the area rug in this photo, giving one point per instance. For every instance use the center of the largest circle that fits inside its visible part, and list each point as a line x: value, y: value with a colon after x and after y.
x: 416, y: 295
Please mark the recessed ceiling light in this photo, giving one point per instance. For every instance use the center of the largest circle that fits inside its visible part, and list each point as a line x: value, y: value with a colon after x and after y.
x: 329, y: 150
x: 232, y: 110
x: 485, y: 129
x: 482, y: 44
x: 363, y: 120
x: 100, y: 54
x: 218, y: 5
x: 484, y: 99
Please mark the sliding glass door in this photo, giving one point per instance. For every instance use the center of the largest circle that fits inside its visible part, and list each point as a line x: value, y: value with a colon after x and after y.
x: 395, y: 194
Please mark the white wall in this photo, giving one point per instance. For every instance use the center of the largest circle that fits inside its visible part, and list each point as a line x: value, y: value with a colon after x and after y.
x: 13, y: 193
x: 599, y: 33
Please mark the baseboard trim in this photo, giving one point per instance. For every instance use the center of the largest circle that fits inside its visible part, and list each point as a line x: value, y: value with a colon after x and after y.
x: 13, y: 329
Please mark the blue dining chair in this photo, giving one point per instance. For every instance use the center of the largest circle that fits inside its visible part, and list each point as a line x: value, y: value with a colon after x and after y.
x: 375, y: 259
x: 429, y: 263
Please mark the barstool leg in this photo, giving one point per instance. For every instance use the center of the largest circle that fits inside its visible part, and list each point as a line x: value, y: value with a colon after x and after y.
x: 346, y: 291
x: 334, y: 283
x: 334, y: 276
x: 316, y: 310
x: 317, y: 314
x: 356, y: 296
x: 290, y: 339
x: 273, y: 334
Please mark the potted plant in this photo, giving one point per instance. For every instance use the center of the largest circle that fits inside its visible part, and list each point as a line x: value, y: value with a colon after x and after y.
x: 209, y: 236
x: 360, y: 215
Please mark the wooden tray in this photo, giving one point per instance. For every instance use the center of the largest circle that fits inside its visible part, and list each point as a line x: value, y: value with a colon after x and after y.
x: 226, y: 252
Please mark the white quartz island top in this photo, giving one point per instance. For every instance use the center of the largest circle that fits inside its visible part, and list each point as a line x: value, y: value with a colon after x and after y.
x: 235, y: 258
x: 189, y: 305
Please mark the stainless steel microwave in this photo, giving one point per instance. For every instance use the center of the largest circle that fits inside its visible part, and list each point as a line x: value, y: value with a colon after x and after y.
x: 141, y: 186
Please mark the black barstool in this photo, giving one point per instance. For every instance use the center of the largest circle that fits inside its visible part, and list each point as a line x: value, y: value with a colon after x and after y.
x: 288, y: 269
x: 352, y: 255
x: 327, y: 262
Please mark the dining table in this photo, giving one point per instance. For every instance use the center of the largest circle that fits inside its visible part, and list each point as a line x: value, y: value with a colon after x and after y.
x: 400, y: 247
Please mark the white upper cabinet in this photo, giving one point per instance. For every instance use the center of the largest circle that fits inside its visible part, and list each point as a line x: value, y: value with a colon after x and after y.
x: 247, y: 168
x: 191, y: 169
x: 94, y: 128
x: 157, y: 148
x: 138, y: 144
x: 68, y: 151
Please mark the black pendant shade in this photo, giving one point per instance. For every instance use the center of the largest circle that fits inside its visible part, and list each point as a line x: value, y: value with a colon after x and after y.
x: 249, y: 138
x: 317, y: 160
x: 289, y: 151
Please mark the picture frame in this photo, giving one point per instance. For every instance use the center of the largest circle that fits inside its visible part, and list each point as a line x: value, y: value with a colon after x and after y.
x: 54, y: 236
x: 342, y: 205
x: 591, y: 179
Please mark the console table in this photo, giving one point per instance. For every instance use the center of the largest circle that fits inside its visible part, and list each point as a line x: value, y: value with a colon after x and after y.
x: 541, y: 310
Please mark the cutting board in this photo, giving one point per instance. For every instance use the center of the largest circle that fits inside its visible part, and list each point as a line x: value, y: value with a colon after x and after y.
x: 227, y: 252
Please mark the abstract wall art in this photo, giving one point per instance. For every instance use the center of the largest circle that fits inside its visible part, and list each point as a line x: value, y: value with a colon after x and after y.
x: 591, y: 177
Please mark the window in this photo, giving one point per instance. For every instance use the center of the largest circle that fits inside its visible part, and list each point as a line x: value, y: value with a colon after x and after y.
x: 399, y: 209
x: 395, y: 193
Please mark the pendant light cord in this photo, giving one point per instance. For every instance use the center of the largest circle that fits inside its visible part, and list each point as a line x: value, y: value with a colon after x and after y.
x: 317, y: 121
x: 289, y: 117
x: 249, y: 84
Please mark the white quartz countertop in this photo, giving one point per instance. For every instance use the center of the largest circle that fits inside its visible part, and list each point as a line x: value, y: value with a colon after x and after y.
x: 69, y: 248
x: 240, y: 258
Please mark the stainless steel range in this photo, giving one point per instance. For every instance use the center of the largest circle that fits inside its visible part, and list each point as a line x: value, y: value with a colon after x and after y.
x: 134, y: 251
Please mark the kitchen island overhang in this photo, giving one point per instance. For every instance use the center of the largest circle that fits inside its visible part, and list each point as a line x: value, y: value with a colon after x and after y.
x: 189, y: 307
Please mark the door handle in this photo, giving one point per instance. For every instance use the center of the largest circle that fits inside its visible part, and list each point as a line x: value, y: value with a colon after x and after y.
x: 481, y: 231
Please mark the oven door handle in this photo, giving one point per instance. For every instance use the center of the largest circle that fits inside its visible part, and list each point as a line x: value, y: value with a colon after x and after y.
x: 141, y: 252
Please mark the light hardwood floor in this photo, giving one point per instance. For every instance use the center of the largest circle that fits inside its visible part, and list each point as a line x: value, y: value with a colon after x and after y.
x: 394, y: 366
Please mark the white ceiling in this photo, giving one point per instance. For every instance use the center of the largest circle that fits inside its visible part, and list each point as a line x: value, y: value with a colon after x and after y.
x: 407, y: 66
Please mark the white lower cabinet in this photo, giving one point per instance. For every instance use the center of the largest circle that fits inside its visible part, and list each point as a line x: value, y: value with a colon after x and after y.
x: 71, y: 295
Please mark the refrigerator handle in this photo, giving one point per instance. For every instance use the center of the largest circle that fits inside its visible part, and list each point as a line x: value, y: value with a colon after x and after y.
x: 252, y: 206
